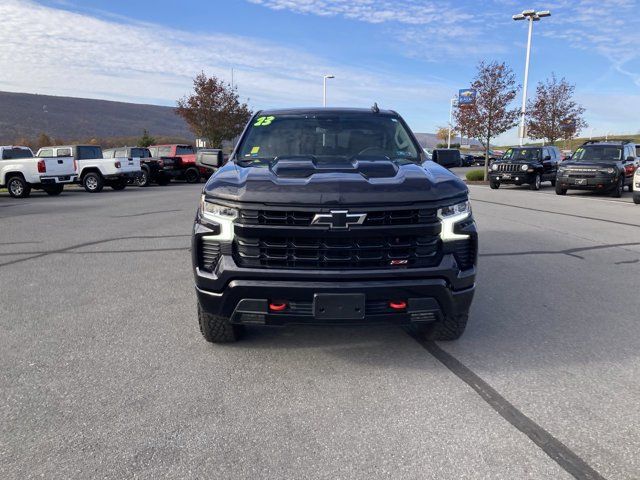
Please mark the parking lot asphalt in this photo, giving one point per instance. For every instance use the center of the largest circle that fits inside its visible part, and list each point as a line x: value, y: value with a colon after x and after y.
x: 104, y: 372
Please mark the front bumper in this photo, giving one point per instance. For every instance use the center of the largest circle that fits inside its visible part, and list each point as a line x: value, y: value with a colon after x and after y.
x: 243, y: 294
x: 594, y: 183
x: 517, y: 178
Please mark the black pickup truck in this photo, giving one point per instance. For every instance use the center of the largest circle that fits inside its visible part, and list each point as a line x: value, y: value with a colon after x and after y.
x: 333, y: 216
x: 153, y: 169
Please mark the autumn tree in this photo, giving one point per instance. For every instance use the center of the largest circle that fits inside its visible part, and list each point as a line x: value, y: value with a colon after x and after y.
x: 146, y: 139
x: 43, y: 140
x: 213, y: 111
x: 553, y: 114
x: 491, y: 114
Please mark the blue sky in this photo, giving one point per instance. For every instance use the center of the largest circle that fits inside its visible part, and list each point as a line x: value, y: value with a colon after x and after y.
x: 409, y: 55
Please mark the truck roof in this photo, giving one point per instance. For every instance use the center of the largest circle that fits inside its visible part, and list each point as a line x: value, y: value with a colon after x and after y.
x: 320, y: 110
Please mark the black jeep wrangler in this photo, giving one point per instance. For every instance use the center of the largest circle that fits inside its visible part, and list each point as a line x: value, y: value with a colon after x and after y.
x: 602, y: 166
x: 333, y: 216
x: 525, y: 165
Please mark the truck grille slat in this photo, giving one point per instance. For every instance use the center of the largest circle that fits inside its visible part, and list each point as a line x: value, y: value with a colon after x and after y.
x: 304, y: 218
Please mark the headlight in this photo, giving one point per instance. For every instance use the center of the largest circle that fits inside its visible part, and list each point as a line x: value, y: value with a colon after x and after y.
x: 610, y: 171
x: 451, y: 215
x: 223, y: 216
x: 494, y: 167
x: 524, y: 167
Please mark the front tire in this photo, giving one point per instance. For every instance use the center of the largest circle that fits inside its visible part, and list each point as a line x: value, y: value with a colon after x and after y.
x: 54, y: 190
x: 216, y: 329
x: 536, y: 182
x: 446, y: 329
x: 494, y: 185
x: 93, y: 182
x: 560, y: 190
x: 192, y: 175
x: 636, y: 198
x: 18, y: 187
x: 617, y: 191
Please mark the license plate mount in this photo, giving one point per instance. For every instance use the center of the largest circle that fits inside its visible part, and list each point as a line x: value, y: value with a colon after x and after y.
x: 339, y: 306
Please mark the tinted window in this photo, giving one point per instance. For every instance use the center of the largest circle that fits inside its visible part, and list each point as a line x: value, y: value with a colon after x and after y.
x: 45, y: 152
x: 331, y: 135
x: 12, y: 153
x: 185, y: 150
x: 88, y: 152
x: 140, y: 152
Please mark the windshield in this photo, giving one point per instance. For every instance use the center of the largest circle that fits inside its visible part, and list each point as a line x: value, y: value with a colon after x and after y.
x: 12, y: 153
x: 522, y: 154
x: 185, y: 150
x: 598, y: 153
x: 343, y: 136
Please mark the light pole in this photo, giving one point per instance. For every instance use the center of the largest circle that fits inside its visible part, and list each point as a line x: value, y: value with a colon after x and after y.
x: 453, y: 99
x: 531, y: 16
x: 324, y: 89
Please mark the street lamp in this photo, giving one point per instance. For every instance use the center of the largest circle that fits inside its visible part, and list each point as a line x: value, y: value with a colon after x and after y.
x: 324, y: 89
x: 531, y: 16
x: 452, y: 102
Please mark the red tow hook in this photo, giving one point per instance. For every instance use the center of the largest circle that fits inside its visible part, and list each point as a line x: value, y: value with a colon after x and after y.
x: 398, y: 304
x: 277, y: 306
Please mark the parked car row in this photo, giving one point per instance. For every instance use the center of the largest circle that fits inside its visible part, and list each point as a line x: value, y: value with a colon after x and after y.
x: 88, y: 165
x: 597, y: 165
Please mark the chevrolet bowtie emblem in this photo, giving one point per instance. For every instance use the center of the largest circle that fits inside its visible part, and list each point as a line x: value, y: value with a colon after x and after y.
x: 339, y: 219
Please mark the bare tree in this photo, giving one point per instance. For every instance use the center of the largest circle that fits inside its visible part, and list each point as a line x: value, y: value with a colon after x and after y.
x: 553, y: 114
x: 491, y: 114
x: 213, y: 111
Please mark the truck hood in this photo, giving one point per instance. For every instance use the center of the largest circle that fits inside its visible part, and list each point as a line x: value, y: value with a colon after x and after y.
x: 358, y: 183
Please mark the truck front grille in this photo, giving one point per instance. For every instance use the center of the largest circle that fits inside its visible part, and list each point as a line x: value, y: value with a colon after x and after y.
x: 326, y: 252
x: 304, y: 218
x: 465, y: 253
x: 509, y: 167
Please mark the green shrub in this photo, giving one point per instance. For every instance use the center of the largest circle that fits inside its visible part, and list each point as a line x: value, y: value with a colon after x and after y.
x: 475, y: 175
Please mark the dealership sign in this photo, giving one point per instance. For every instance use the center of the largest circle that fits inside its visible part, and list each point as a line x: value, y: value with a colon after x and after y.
x: 466, y: 97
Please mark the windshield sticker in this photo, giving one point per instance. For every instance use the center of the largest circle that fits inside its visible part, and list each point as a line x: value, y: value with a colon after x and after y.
x: 254, y: 151
x: 263, y: 121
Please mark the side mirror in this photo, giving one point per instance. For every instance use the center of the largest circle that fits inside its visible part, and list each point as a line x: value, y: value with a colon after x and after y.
x: 548, y: 157
x: 630, y: 159
x: 211, y: 158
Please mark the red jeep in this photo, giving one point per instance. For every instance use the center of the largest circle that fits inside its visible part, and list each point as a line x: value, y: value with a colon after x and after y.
x: 185, y: 161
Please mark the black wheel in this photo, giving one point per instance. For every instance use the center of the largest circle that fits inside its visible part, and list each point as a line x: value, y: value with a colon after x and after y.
x: 630, y: 187
x: 446, y: 329
x: 18, y: 188
x: 192, y: 175
x: 162, y: 180
x: 617, y: 191
x: 119, y: 185
x: 142, y: 180
x: 494, y: 185
x: 217, y: 329
x: 536, y: 182
x: 560, y: 190
x: 636, y: 198
x: 553, y: 182
x: 54, y: 190
x: 93, y: 182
